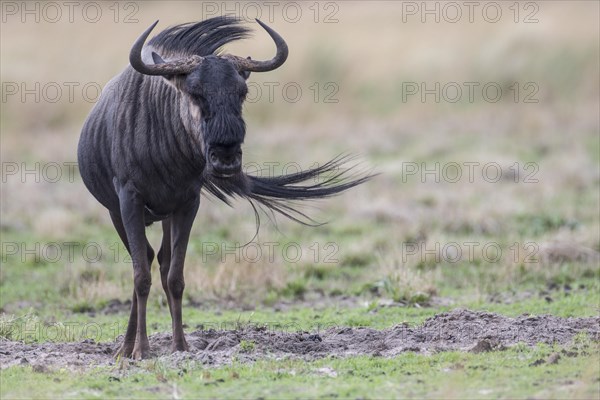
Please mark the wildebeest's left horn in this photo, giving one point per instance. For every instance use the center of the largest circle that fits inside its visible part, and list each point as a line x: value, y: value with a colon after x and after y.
x: 181, y: 66
x: 245, y: 64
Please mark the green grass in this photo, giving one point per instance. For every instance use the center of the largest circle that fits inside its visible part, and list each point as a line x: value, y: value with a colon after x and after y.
x: 46, y: 323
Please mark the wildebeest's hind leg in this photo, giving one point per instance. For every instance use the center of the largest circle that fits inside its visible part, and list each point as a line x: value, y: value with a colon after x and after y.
x: 164, y: 260
x: 126, y: 349
x: 181, y: 225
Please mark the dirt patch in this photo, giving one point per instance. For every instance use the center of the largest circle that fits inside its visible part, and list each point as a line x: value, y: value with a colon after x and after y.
x: 461, y: 330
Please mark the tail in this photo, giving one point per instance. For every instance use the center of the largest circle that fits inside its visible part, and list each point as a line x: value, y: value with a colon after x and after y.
x: 284, y: 193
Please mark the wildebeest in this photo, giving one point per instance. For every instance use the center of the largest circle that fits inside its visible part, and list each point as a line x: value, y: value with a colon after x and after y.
x: 169, y: 126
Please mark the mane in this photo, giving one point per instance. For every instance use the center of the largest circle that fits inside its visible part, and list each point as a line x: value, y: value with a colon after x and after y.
x: 199, y: 38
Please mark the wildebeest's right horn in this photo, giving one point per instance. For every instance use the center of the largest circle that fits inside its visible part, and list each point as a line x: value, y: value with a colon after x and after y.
x: 245, y: 64
x: 182, y: 66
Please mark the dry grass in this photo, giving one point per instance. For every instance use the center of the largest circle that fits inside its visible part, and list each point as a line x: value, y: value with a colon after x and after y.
x: 243, y: 282
x: 369, y: 54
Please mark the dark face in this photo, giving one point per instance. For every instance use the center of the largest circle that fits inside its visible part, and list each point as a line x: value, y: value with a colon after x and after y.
x: 220, y: 90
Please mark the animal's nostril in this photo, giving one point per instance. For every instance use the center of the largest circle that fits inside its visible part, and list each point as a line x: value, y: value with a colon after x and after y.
x: 225, y: 159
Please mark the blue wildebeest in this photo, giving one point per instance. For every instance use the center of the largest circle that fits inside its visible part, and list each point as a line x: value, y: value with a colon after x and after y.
x: 169, y: 126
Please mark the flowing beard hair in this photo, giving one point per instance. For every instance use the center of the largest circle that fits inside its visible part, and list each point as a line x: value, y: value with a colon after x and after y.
x: 283, y: 194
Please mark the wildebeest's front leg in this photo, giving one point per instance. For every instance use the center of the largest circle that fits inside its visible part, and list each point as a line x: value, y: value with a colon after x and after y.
x: 181, y: 225
x: 126, y: 348
x: 132, y: 215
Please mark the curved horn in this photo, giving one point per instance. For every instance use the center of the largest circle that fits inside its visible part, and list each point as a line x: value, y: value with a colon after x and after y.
x: 181, y: 66
x: 244, y: 64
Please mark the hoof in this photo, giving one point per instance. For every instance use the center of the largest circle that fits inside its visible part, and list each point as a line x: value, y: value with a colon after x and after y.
x: 179, y: 346
x: 140, y: 352
x: 125, y: 351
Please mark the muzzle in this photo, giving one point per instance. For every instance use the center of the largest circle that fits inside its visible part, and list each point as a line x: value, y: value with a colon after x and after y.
x: 224, y: 161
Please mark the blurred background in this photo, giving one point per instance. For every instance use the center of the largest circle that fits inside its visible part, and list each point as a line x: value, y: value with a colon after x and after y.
x: 481, y: 119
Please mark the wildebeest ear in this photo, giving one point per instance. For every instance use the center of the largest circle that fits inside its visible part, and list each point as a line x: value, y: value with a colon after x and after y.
x: 245, y: 74
x: 157, y: 59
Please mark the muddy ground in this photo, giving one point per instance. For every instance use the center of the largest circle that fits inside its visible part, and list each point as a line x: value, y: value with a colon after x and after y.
x: 461, y: 330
